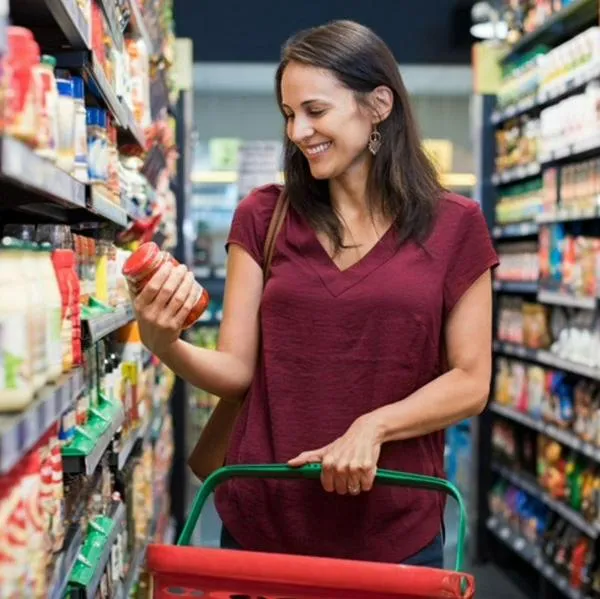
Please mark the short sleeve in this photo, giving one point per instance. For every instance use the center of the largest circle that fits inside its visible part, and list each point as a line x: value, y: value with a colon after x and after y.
x: 472, y: 254
x: 251, y: 221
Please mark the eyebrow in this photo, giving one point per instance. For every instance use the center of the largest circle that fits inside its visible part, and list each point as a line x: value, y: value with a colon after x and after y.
x: 307, y: 102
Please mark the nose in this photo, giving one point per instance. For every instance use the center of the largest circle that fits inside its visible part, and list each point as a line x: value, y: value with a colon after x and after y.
x: 299, y: 129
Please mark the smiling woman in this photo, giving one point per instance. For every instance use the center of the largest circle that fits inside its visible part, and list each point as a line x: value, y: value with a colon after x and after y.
x: 369, y: 334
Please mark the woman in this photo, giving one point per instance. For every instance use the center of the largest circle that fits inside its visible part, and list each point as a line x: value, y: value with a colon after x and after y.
x: 374, y: 326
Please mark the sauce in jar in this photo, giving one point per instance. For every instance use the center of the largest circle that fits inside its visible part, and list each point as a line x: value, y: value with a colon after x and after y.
x: 140, y: 267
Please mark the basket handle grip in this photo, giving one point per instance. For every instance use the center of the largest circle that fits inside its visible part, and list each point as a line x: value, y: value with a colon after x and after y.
x: 313, y: 472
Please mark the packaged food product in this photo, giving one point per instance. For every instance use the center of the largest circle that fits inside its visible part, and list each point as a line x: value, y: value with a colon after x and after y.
x: 66, y: 125
x: 47, y: 107
x: 145, y: 261
x: 16, y: 357
x: 80, y: 169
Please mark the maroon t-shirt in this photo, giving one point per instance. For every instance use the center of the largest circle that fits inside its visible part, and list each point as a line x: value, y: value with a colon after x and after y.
x: 336, y: 345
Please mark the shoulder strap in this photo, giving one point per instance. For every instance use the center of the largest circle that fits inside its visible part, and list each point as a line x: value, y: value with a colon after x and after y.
x: 279, y: 214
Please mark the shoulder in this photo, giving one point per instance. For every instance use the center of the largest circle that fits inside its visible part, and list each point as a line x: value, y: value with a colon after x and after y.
x: 453, y: 206
x: 259, y: 204
x: 455, y: 214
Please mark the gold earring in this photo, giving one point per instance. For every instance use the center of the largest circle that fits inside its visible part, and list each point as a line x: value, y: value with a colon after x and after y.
x: 374, y: 142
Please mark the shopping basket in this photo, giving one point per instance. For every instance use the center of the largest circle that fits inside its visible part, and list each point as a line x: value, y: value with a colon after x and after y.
x: 183, y: 572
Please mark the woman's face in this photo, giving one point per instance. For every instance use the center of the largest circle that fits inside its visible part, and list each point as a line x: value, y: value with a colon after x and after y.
x: 325, y: 121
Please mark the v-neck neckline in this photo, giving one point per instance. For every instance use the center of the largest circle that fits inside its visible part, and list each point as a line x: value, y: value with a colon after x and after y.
x: 338, y: 281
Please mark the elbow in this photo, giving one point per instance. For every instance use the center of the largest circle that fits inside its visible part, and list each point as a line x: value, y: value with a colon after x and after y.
x: 478, y: 396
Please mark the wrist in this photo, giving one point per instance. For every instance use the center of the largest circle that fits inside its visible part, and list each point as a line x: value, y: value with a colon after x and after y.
x: 380, y: 425
x: 168, y: 352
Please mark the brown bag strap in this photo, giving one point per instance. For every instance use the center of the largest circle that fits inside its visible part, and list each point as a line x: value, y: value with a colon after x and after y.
x: 275, y: 225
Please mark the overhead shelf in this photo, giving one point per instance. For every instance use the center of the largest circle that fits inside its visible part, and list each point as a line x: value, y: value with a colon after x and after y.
x: 530, y: 486
x: 565, y: 437
x: 518, y: 173
x: 578, y: 149
x: 20, y: 432
x: 533, y: 555
x: 563, y: 215
x: 557, y: 28
x: 110, y: 12
x: 72, y: 22
x: 139, y: 26
x: 102, y: 205
x: 546, y: 358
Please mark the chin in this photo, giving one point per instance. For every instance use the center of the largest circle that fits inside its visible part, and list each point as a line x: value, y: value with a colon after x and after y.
x: 321, y: 173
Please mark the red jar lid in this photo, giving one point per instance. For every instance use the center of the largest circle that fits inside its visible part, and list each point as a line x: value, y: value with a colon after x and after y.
x: 142, y: 260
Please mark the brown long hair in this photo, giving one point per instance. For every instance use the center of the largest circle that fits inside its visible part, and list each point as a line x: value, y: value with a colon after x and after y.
x: 403, y: 182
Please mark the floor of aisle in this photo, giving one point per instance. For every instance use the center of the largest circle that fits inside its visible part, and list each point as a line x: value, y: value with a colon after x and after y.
x: 491, y: 581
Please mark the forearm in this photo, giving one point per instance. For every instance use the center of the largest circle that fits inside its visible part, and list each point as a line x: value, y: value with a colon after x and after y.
x: 218, y: 372
x: 448, y: 399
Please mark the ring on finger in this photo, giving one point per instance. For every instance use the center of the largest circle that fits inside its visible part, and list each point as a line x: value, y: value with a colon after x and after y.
x: 354, y: 488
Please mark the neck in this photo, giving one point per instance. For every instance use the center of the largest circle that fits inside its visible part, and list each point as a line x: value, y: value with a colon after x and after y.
x: 348, y: 192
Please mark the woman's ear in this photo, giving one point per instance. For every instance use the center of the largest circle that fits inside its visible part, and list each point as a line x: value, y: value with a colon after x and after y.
x: 382, y: 101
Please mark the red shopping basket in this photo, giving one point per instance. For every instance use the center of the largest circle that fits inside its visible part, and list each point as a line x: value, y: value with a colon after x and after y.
x: 185, y: 572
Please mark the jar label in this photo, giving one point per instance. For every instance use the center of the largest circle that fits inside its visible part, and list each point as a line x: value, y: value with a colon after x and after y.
x: 15, y: 360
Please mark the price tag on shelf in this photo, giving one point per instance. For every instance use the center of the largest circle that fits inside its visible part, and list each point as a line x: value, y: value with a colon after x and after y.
x: 504, y: 533
x: 519, y: 544
x: 548, y: 571
x: 492, y: 522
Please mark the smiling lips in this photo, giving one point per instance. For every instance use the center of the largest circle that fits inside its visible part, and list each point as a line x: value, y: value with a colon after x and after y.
x: 318, y: 150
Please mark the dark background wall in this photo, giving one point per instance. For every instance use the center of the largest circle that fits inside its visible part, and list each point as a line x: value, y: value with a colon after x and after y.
x: 418, y: 31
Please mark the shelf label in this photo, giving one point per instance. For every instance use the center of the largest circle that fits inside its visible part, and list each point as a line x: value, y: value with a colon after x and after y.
x: 519, y: 544
x: 504, y: 533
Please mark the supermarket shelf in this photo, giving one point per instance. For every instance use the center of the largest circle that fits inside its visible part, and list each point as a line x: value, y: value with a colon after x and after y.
x: 72, y: 22
x: 65, y: 562
x: 101, y: 326
x: 110, y: 12
x: 548, y: 96
x: 207, y: 272
x: 124, y: 590
x: 21, y: 166
x: 525, y: 229
x: 518, y: 173
x: 130, y: 125
x: 556, y: 298
x: 532, y: 555
x: 563, y: 216
x: 139, y: 25
x: 75, y: 464
x: 20, y: 432
x: 516, y: 286
x: 546, y: 358
x: 565, y: 437
x: 530, y: 486
x: 118, y: 514
x: 577, y: 149
x: 555, y: 29
x: 103, y: 206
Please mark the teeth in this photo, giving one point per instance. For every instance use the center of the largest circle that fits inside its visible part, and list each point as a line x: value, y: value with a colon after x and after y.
x: 318, y: 149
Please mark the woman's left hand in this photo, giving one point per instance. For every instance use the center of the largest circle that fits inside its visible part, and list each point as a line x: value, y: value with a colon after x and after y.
x: 349, y: 463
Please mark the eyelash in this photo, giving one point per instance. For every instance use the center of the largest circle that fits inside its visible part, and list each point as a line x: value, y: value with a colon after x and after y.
x: 313, y: 113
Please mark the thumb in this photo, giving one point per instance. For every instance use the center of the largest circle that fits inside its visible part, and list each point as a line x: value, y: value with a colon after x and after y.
x: 314, y: 456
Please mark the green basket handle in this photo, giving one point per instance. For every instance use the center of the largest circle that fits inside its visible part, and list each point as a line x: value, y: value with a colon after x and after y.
x: 313, y: 472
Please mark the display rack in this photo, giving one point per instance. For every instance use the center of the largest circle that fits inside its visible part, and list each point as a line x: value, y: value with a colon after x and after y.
x: 520, y: 412
x: 92, y: 449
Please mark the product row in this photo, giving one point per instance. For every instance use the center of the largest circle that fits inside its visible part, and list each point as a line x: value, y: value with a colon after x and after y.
x: 552, y: 397
x: 540, y: 73
x: 517, y: 143
x: 518, y: 262
x: 557, y: 543
x: 572, y: 335
x: 110, y: 515
x: 520, y: 203
x: 569, y: 262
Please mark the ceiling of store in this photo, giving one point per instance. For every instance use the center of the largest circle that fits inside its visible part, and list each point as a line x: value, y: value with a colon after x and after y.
x: 418, y: 31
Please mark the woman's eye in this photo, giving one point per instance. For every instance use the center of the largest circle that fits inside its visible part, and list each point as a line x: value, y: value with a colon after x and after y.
x: 316, y: 113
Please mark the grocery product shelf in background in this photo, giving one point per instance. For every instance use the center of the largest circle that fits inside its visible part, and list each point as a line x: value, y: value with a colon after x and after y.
x: 562, y: 436
x: 525, y: 229
x: 532, y: 555
x: 518, y: 173
x: 564, y: 216
x: 525, y: 287
x: 531, y: 487
x: 66, y: 13
x: 125, y: 588
x: 19, y: 433
x: 556, y: 28
x: 139, y: 26
x: 546, y: 358
x: 110, y: 12
x: 556, y: 298
x: 101, y: 205
x: 580, y: 149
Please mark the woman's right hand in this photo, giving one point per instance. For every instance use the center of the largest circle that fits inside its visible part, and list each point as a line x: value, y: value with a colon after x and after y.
x: 163, y: 305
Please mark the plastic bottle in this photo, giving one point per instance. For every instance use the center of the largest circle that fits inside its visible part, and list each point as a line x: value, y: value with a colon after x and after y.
x: 80, y: 169
x: 53, y: 305
x: 97, y: 144
x: 36, y: 302
x: 66, y: 125
x: 16, y: 376
x: 47, y: 94
x: 145, y: 261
